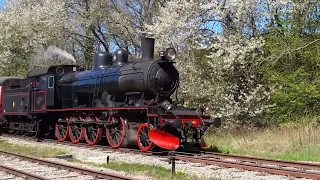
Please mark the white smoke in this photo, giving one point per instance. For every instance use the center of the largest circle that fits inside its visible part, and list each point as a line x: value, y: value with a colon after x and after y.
x: 55, y: 53
x: 51, y: 56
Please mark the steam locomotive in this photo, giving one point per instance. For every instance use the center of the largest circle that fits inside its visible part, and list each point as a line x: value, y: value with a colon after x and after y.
x: 118, y: 100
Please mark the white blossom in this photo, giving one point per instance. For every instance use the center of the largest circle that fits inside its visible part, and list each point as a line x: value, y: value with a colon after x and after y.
x: 228, y: 78
x: 27, y: 28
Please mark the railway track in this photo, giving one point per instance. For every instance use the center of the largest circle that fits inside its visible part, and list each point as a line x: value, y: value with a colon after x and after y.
x: 286, y: 168
x: 279, y: 167
x: 34, y: 168
x: 314, y: 166
x: 11, y: 173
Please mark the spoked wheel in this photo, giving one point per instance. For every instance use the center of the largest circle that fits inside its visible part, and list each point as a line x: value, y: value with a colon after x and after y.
x: 62, y: 131
x: 116, y: 134
x: 92, y: 132
x: 75, y: 130
x: 143, y: 140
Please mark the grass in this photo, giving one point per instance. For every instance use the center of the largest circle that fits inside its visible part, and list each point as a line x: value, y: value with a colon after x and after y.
x: 30, y: 150
x: 300, y: 142
x: 154, y: 171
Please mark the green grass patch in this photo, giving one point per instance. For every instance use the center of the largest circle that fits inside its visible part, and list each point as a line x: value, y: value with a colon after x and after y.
x: 298, y: 142
x: 30, y: 150
x: 308, y: 154
x: 154, y: 171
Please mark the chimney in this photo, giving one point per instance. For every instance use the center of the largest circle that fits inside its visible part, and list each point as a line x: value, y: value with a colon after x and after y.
x: 147, y: 47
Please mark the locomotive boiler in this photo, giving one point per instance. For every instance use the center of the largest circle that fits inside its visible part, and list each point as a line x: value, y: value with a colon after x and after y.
x: 115, y: 82
x: 125, y: 102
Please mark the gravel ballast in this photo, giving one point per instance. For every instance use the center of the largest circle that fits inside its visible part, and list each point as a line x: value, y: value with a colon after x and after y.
x: 100, y: 156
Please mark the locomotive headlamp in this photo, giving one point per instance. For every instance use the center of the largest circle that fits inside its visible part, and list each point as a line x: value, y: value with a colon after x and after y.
x: 166, y: 105
x: 171, y: 54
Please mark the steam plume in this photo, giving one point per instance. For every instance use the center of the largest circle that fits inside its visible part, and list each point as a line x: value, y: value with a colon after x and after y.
x: 55, y: 53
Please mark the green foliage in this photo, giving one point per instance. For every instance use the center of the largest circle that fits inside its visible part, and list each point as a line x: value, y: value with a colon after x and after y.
x: 30, y: 150
x: 19, y: 67
x: 295, y: 70
x: 154, y: 171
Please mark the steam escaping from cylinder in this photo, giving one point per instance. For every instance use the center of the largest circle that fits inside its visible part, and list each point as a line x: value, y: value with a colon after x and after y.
x: 147, y: 47
x: 55, y: 53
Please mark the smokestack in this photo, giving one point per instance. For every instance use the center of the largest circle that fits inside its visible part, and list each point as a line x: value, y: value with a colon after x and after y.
x: 147, y: 46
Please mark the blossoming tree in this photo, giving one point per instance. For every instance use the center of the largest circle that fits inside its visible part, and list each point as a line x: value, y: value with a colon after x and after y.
x: 219, y: 68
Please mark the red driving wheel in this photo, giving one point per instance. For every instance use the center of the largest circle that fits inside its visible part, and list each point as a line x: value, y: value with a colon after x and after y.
x: 142, y: 137
x: 75, y: 130
x: 116, y: 135
x: 92, y: 133
x: 62, y: 131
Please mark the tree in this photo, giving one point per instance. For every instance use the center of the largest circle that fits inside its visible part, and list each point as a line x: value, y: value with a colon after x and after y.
x: 221, y: 69
x: 106, y: 25
x: 293, y: 56
x: 230, y: 52
x: 80, y: 27
x: 27, y: 28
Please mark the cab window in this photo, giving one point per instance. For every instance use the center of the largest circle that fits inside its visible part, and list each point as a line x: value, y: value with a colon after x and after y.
x: 50, y: 81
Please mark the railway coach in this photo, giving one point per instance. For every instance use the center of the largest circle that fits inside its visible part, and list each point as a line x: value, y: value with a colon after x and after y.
x: 118, y: 100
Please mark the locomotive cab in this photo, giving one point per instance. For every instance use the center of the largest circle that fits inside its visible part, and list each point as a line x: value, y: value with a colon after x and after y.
x: 45, y: 90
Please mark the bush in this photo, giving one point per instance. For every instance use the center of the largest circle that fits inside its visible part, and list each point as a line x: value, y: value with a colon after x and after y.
x: 295, y: 71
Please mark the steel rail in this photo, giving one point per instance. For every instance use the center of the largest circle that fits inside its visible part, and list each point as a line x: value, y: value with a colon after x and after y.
x: 90, y: 172
x: 20, y: 173
x: 252, y: 167
x: 305, y: 165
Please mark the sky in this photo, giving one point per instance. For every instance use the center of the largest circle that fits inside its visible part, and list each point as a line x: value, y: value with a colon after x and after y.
x: 1, y: 3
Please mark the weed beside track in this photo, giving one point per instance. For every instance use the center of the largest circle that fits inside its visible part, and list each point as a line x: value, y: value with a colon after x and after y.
x: 299, y: 142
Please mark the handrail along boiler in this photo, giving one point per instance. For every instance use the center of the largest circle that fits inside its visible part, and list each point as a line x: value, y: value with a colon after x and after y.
x: 116, y: 99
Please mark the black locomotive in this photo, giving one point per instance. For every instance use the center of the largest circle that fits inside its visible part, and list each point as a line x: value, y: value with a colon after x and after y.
x: 116, y: 99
